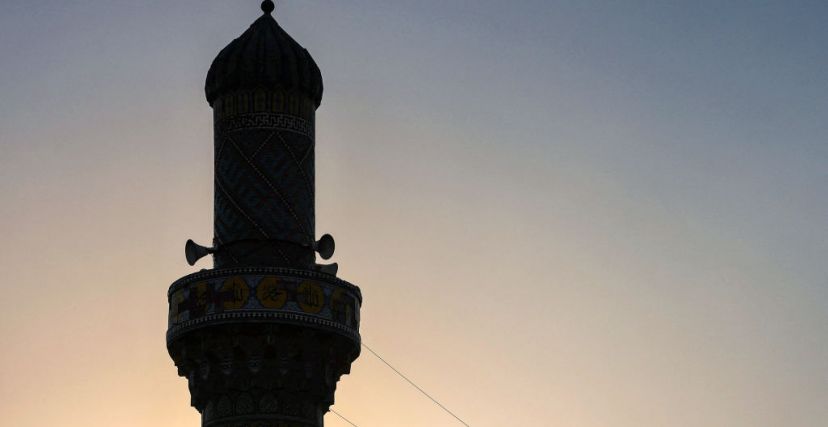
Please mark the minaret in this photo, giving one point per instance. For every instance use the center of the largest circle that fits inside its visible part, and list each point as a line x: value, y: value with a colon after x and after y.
x: 265, y: 335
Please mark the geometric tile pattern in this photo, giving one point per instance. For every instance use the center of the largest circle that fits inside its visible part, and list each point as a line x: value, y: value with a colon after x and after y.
x: 264, y: 190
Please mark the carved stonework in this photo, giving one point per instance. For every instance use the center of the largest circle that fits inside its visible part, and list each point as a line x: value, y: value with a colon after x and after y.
x: 295, y: 382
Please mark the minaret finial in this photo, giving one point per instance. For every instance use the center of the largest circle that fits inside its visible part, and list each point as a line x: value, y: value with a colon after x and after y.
x: 268, y: 6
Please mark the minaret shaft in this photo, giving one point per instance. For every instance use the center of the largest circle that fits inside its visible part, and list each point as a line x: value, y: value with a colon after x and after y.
x: 264, y: 187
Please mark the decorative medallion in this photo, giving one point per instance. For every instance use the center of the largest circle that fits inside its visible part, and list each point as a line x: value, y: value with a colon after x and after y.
x: 271, y: 293
x: 234, y: 293
x: 310, y: 297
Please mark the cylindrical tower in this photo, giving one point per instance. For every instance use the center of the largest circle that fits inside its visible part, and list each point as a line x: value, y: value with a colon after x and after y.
x: 264, y: 89
x: 263, y: 337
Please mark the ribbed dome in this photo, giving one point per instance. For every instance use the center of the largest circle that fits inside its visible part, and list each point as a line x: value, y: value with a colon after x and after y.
x: 265, y: 56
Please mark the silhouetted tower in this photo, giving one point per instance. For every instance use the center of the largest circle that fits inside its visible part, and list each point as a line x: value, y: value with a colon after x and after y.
x: 263, y: 337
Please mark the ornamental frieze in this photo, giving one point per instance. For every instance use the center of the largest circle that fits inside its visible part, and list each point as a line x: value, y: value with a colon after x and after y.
x: 266, y: 294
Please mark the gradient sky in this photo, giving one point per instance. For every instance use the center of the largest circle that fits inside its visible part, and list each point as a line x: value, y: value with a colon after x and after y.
x: 560, y: 213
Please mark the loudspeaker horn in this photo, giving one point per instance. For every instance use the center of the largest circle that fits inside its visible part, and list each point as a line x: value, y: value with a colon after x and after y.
x: 194, y: 252
x: 325, y: 246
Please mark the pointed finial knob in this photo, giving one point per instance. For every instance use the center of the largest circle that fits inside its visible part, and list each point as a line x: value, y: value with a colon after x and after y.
x: 268, y: 6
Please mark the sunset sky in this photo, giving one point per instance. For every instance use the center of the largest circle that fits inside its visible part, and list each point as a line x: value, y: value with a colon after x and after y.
x: 560, y: 213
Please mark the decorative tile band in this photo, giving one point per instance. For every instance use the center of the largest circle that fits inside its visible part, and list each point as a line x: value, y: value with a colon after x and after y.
x: 285, y: 122
x: 261, y: 101
x: 277, y: 295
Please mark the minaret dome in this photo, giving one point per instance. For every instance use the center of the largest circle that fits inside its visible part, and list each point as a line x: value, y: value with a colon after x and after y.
x: 264, y: 57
